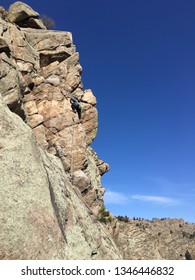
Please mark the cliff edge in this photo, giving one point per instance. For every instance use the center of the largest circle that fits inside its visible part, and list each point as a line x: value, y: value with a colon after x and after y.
x: 50, y: 180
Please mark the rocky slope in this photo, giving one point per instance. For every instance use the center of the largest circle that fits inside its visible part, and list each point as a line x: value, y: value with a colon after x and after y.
x: 50, y: 186
x: 156, y: 239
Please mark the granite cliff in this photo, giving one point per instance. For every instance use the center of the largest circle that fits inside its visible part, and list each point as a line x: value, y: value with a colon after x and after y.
x: 50, y: 186
x: 50, y: 181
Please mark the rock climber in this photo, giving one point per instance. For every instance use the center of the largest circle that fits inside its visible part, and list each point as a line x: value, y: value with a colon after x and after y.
x: 75, y: 105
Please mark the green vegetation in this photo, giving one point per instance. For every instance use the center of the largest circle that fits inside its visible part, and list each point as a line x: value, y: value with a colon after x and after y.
x: 123, y: 218
x: 47, y: 21
x: 104, y: 216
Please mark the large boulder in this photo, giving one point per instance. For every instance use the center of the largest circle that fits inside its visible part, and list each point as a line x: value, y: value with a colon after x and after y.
x: 20, y: 11
x: 81, y: 181
x: 24, y: 16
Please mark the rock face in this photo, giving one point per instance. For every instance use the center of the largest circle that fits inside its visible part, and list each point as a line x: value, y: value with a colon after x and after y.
x: 156, y: 239
x: 42, y: 215
x: 40, y: 73
x: 50, y: 180
x: 50, y: 185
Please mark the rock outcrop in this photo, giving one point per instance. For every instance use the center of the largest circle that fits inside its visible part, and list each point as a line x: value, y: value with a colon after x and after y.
x: 50, y: 186
x: 50, y: 177
x: 157, y: 239
x: 42, y: 215
x: 40, y: 72
x: 23, y: 15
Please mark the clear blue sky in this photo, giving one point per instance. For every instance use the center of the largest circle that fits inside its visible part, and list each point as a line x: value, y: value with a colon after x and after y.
x: 138, y: 57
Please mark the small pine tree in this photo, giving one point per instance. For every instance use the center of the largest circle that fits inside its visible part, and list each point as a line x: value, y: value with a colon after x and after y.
x: 48, y: 22
x: 123, y: 218
x: 104, y: 215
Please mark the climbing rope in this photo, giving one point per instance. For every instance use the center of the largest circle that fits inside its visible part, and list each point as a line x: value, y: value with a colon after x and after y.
x: 74, y: 118
x: 72, y: 146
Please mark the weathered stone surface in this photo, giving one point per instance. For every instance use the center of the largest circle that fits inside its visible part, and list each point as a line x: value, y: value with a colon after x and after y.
x: 11, y: 97
x: 3, y: 13
x: 94, y: 196
x: 34, y: 120
x: 20, y: 11
x: 53, y: 80
x: 9, y: 86
x: 24, y: 66
x: 50, y: 108
x: 48, y: 57
x: 47, y: 39
x: 20, y: 48
x: 30, y: 108
x: 41, y: 216
x: 3, y: 27
x: 39, y: 132
x: 88, y: 97
x: 103, y: 167
x: 156, y: 239
x: 72, y: 141
x: 26, y: 220
x: 49, y: 68
x: 4, y: 46
x: 32, y: 23
x: 81, y: 181
x: 90, y: 123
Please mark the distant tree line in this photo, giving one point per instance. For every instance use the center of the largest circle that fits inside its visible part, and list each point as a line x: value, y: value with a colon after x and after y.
x: 126, y: 219
x: 123, y: 218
